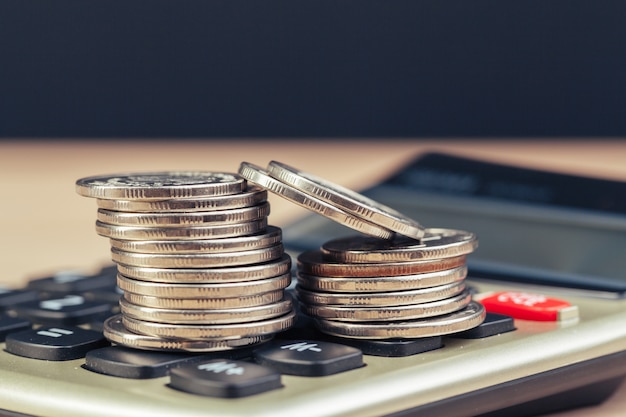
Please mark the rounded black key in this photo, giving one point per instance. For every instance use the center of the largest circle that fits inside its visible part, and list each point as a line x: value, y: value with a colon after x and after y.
x: 66, y: 282
x: 9, y: 297
x: 309, y: 358
x: 11, y: 325
x: 54, y: 343
x: 224, y: 378
x: 137, y: 364
x: 492, y: 325
x: 392, y: 348
x: 68, y: 310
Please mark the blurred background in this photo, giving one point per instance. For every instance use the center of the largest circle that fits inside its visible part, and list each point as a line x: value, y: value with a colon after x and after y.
x: 323, y: 69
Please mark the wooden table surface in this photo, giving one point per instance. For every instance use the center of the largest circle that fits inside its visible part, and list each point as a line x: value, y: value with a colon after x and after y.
x: 45, y: 226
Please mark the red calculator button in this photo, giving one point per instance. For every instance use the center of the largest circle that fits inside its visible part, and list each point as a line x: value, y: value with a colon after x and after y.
x: 529, y: 306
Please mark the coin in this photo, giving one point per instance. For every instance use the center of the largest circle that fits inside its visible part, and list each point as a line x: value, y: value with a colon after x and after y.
x: 213, y: 316
x: 207, y: 275
x: 177, y: 233
x: 205, y: 303
x: 197, y: 260
x: 115, y: 332
x: 390, y: 313
x: 458, y: 321
x: 208, y: 332
x: 270, y: 237
x: 346, y: 200
x: 312, y: 262
x: 381, y: 299
x: 436, y: 244
x: 199, y: 291
x: 160, y: 185
x: 257, y: 175
x: 193, y: 219
x: 381, y: 284
x: 252, y: 196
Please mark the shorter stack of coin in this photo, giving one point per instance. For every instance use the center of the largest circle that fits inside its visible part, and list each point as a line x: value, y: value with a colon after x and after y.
x: 371, y: 288
x: 199, y: 267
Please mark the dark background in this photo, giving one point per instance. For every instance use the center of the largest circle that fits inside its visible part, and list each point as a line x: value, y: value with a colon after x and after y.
x: 292, y: 68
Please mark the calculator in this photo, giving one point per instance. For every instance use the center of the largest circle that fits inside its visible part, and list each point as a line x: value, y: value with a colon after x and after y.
x: 549, y: 270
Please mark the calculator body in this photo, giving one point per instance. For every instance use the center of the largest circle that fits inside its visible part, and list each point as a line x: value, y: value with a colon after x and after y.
x: 537, y: 368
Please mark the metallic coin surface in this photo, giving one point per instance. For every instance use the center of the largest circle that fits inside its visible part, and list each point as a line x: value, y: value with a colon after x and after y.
x: 209, y: 332
x: 258, y: 176
x: 436, y: 244
x: 381, y: 284
x: 252, y: 196
x: 160, y: 185
x: 224, y: 316
x: 197, y: 260
x: 205, y: 303
x: 381, y: 299
x: 115, y: 332
x: 270, y: 237
x: 312, y: 262
x: 209, y: 275
x: 346, y: 200
x: 199, y: 291
x: 178, y: 233
x: 192, y: 219
x: 392, y: 313
x: 465, y: 319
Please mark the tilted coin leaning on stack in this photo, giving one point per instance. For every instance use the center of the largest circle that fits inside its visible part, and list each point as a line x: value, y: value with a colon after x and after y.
x: 199, y: 267
x: 201, y: 270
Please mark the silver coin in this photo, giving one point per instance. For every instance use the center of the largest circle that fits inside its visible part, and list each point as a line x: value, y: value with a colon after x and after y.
x: 382, y: 299
x: 240, y: 301
x: 252, y: 196
x: 194, y: 219
x: 392, y: 313
x: 381, y: 284
x: 210, y: 332
x: 346, y: 200
x: 200, y: 291
x: 465, y: 319
x: 115, y: 332
x: 257, y: 175
x: 197, y: 260
x: 312, y: 262
x: 209, y: 275
x: 224, y: 316
x: 436, y: 244
x: 179, y: 233
x: 270, y: 237
x: 160, y: 185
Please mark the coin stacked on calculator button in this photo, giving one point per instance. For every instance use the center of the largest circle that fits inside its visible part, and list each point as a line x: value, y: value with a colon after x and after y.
x: 396, y: 280
x: 199, y: 267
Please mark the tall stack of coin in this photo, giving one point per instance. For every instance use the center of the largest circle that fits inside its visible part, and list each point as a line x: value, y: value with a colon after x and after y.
x: 399, y: 281
x: 199, y: 267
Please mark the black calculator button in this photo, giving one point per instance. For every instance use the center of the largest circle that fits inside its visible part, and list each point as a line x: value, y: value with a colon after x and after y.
x: 66, y: 310
x: 73, y: 282
x: 393, y: 348
x: 54, y: 343
x: 137, y: 364
x: 493, y: 324
x: 11, y: 325
x: 8, y: 298
x: 224, y: 378
x: 309, y: 358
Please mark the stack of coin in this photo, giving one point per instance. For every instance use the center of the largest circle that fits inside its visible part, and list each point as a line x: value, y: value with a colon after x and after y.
x: 399, y: 281
x: 199, y: 267
x: 370, y: 288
